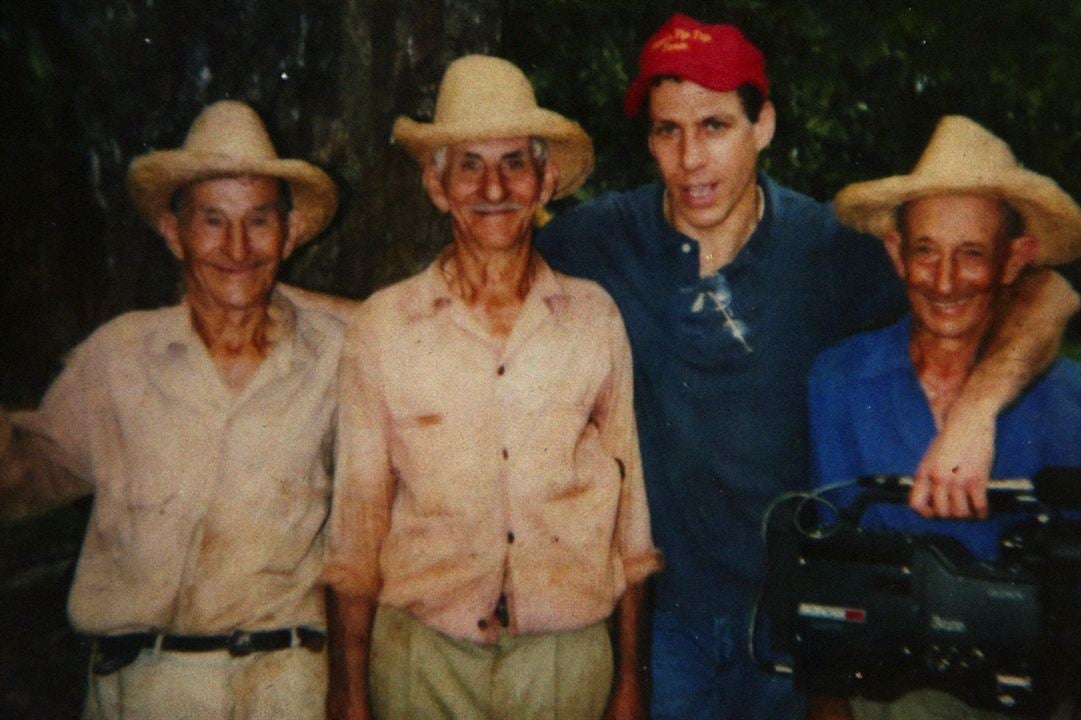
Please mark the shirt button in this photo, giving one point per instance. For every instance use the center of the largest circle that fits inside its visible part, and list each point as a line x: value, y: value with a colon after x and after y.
x: 505, y: 454
x: 510, y: 537
x: 686, y: 247
x: 502, y: 369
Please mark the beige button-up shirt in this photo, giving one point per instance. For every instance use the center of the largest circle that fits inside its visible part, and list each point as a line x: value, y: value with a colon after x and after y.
x: 469, y: 468
x: 208, y: 504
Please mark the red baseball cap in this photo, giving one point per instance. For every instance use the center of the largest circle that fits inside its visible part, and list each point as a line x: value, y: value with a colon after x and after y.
x: 717, y: 57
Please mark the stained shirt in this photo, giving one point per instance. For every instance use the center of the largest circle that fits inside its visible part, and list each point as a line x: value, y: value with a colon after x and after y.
x: 469, y: 468
x: 720, y: 366
x: 208, y: 504
x: 870, y: 415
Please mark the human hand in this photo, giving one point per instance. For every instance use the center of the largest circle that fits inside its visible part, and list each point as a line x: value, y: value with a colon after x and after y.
x: 951, y: 480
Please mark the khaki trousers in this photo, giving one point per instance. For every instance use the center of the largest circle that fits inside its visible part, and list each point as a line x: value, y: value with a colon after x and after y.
x: 281, y: 685
x: 417, y: 673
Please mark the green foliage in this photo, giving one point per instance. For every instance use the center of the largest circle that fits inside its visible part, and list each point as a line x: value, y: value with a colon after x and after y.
x: 858, y: 86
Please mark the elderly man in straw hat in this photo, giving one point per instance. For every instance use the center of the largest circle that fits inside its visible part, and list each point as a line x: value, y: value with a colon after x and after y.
x: 489, y: 504
x: 958, y: 229
x: 203, y: 431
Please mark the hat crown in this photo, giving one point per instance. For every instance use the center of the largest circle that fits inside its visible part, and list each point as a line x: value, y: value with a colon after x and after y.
x: 232, y: 129
x: 960, y: 147
x: 228, y: 139
x: 962, y: 157
x: 478, y: 85
x: 717, y: 57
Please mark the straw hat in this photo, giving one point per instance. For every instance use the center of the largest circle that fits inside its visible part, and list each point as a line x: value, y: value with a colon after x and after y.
x: 229, y: 139
x: 484, y: 98
x: 963, y: 157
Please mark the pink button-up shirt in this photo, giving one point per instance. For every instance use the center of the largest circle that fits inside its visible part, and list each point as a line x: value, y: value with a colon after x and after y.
x: 468, y: 468
x: 209, y: 504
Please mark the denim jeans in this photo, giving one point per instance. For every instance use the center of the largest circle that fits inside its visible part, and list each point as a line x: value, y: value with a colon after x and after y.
x: 702, y: 670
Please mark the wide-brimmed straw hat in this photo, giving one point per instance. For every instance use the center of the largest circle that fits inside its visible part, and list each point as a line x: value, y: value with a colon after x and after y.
x: 964, y: 158
x: 228, y: 139
x: 485, y: 98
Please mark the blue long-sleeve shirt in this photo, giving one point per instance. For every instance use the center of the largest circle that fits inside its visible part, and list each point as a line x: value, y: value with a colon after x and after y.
x: 869, y: 415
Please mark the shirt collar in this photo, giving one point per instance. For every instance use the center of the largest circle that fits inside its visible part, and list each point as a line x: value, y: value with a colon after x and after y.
x: 434, y: 294
x: 672, y: 240
x: 175, y: 336
x: 888, y: 357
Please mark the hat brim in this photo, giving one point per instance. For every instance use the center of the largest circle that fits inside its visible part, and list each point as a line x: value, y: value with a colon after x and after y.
x: 154, y: 178
x: 569, y: 147
x: 1050, y: 215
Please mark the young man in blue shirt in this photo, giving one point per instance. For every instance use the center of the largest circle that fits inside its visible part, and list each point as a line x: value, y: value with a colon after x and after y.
x: 959, y: 229
x: 729, y: 286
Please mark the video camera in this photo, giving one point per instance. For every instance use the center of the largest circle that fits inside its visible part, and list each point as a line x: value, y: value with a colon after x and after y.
x: 877, y: 613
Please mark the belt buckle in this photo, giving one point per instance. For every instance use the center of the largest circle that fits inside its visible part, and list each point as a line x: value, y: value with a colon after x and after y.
x: 241, y: 643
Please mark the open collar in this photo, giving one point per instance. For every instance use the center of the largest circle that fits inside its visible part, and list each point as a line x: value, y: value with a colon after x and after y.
x: 547, y: 299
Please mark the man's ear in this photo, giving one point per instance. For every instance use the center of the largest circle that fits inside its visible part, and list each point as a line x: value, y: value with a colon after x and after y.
x: 549, y: 182
x: 894, y: 242
x: 765, y: 126
x: 433, y: 184
x: 1022, y: 254
x: 169, y: 228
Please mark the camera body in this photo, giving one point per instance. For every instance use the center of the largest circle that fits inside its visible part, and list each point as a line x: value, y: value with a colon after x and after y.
x: 878, y: 613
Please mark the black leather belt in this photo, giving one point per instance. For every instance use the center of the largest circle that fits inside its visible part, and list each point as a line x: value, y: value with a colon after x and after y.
x: 117, y: 651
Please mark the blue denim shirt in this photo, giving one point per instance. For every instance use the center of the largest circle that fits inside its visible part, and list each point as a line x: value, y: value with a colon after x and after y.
x: 720, y: 366
x: 869, y: 415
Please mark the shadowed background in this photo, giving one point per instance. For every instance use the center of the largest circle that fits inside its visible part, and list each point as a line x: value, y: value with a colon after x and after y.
x: 92, y: 83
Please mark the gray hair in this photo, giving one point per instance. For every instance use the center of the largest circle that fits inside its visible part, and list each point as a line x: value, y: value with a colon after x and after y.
x: 538, y: 150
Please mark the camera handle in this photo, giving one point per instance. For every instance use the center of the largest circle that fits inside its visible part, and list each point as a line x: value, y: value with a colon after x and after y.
x: 1003, y: 495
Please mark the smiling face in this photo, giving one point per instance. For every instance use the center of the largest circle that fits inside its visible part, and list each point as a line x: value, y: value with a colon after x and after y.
x: 491, y: 188
x: 706, y: 149
x: 954, y: 258
x: 231, y: 235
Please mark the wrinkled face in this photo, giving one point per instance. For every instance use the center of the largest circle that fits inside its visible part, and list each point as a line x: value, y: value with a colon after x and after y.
x: 707, y: 153
x: 231, y: 237
x: 491, y: 189
x: 954, y: 259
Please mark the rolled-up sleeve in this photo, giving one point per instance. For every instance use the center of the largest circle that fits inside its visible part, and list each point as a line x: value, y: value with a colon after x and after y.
x: 614, y: 415
x: 364, y: 481
x: 45, y: 454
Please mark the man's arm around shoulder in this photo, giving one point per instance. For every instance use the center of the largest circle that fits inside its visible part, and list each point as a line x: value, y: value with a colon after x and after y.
x: 951, y: 479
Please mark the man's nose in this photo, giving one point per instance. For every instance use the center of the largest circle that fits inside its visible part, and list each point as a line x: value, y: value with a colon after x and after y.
x: 690, y: 152
x: 945, y: 276
x: 495, y: 189
x: 237, y: 244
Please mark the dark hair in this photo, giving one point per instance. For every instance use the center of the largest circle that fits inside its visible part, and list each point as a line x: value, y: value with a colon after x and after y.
x: 179, y: 201
x: 1011, y: 224
x: 750, y: 96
